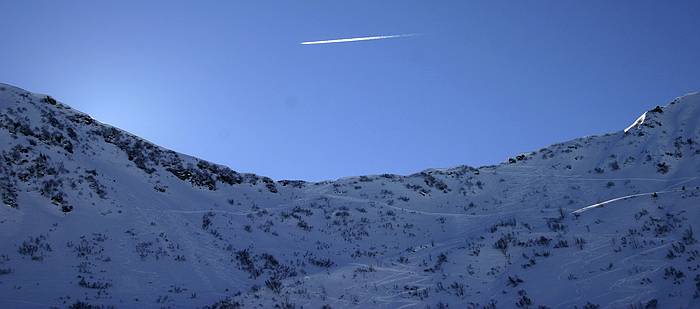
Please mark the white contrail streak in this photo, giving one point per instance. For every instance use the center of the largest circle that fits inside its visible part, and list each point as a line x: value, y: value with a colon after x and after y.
x: 366, y: 38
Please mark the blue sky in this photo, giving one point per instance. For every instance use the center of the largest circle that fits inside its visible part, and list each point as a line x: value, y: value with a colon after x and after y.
x: 228, y: 81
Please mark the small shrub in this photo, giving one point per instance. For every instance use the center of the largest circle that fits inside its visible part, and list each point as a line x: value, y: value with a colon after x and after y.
x: 274, y: 285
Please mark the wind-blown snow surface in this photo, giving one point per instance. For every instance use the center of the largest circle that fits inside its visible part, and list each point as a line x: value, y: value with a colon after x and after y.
x: 97, y: 216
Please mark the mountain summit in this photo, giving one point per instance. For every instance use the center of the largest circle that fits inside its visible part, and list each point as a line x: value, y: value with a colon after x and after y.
x: 95, y: 216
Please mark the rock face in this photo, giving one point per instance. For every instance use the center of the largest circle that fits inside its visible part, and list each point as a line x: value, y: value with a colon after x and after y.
x: 96, y: 216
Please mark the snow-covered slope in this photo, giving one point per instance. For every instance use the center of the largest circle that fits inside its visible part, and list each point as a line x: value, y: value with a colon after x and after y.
x: 96, y: 216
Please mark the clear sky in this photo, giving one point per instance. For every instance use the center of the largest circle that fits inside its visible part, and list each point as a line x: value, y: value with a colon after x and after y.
x: 228, y: 81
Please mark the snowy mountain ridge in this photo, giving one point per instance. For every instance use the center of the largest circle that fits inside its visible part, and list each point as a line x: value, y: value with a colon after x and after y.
x: 96, y: 216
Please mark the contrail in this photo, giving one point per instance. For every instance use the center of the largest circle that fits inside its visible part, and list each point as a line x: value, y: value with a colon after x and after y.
x: 366, y: 38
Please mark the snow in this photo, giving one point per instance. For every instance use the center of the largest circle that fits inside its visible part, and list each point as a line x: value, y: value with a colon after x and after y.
x: 637, y: 122
x: 97, y: 216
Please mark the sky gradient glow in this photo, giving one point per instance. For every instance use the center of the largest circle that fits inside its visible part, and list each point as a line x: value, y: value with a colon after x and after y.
x: 229, y: 81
